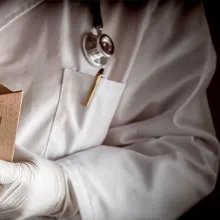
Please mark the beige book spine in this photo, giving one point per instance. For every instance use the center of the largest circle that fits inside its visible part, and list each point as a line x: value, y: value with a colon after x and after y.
x: 10, y: 106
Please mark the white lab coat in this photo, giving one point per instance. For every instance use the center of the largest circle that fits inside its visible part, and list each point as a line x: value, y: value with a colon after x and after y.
x: 145, y: 148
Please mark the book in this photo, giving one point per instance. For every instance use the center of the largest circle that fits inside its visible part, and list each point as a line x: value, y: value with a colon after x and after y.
x: 10, y: 107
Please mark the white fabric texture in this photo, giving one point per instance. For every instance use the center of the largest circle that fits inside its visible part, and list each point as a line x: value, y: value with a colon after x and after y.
x: 145, y: 148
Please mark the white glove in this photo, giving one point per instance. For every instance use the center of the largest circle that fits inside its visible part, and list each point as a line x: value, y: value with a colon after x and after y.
x: 33, y: 187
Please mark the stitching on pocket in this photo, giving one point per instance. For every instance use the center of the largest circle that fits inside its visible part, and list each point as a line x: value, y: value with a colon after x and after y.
x: 55, y: 115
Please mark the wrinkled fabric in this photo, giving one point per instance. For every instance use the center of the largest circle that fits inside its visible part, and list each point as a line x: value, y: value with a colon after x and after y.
x: 145, y: 148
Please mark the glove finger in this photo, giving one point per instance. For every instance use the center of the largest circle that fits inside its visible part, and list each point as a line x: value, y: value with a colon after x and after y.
x: 9, y: 172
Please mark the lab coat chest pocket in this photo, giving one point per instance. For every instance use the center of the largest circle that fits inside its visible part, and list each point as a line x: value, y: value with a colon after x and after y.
x: 77, y: 127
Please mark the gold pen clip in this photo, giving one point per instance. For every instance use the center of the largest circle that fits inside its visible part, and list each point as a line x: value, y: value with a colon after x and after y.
x: 99, y: 75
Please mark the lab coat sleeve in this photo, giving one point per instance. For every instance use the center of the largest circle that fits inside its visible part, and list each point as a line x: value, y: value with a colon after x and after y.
x: 160, y: 156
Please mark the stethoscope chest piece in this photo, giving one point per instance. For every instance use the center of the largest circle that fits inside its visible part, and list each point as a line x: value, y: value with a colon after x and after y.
x: 98, y: 48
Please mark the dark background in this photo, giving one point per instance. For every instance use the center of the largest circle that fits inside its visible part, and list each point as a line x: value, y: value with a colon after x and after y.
x: 209, y: 208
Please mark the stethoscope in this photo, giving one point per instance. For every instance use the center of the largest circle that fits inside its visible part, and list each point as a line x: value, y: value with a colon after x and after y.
x: 97, y: 47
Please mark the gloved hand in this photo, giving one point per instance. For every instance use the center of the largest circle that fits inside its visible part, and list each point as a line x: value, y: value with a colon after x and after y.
x: 33, y: 187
